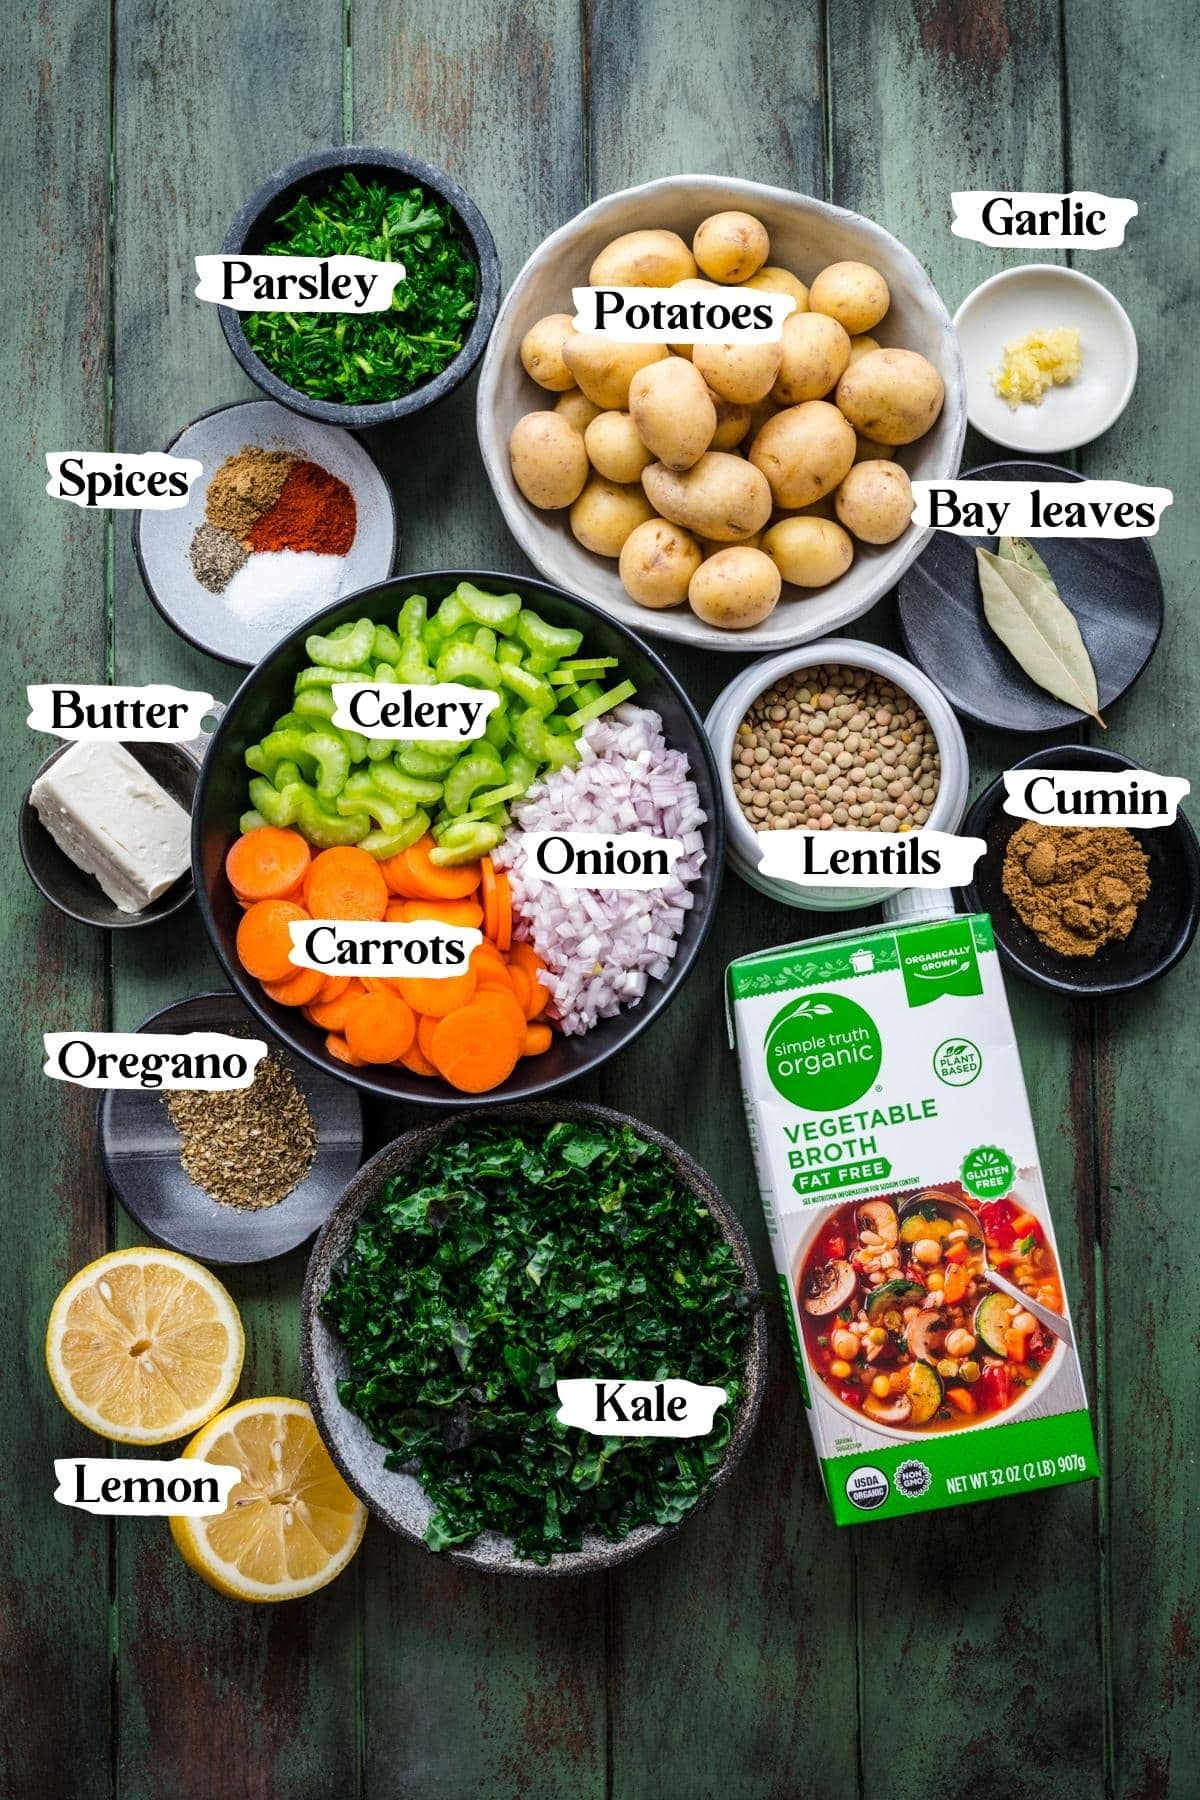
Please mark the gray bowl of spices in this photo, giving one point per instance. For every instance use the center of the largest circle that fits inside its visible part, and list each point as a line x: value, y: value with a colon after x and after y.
x: 286, y: 516
x: 236, y: 1177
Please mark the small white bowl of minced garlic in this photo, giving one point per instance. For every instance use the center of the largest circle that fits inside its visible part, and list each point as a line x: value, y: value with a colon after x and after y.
x: 1050, y: 358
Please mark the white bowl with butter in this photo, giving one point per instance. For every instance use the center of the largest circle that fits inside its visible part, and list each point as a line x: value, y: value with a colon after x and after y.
x: 1032, y: 299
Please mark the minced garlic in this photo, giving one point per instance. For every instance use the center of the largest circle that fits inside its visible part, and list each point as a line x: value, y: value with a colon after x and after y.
x: 1033, y: 364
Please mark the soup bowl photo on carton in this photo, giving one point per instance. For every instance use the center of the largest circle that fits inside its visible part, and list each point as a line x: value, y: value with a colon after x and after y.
x: 918, y: 1434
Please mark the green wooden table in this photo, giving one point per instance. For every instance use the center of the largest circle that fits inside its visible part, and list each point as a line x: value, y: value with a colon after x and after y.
x: 1046, y: 1644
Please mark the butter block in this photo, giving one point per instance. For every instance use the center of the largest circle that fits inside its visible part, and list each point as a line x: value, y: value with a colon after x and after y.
x: 115, y: 822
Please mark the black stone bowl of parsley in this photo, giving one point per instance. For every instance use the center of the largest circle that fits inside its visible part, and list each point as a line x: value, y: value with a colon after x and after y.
x: 363, y: 369
x: 474, y: 1263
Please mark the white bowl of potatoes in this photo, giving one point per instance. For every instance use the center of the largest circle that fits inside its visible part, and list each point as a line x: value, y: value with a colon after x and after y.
x: 660, y: 490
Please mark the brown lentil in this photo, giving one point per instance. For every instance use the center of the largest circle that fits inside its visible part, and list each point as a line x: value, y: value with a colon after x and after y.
x: 834, y: 746
x: 246, y: 1147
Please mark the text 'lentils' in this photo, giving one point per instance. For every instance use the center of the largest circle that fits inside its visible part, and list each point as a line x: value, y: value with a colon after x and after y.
x: 835, y: 746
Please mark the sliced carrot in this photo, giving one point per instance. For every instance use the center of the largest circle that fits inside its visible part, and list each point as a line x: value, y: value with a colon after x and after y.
x: 264, y: 945
x: 335, y: 987
x: 425, y: 1031
x: 268, y: 864
x: 379, y: 1028
x: 962, y: 1398
x: 504, y: 916
x: 472, y: 1051
x: 394, y: 870
x: 345, y: 883
x: 537, y: 1040
x: 491, y: 914
x: 330, y: 1015
x: 337, y: 1047
x: 526, y: 958
x: 520, y: 984
x: 456, y: 883
x: 486, y: 957
x: 301, y: 989
x: 416, y: 1061
x: 434, y: 996
x: 505, y: 1008
x: 441, y: 912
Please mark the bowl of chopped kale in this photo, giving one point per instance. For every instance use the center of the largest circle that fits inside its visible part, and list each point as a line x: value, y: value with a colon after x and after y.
x: 364, y: 367
x: 474, y: 1264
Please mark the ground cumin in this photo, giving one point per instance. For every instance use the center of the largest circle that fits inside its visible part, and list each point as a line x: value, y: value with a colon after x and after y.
x: 246, y: 486
x: 1076, y: 887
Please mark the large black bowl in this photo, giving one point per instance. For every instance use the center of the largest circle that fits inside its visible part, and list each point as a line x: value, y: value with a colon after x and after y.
x: 396, y: 1496
x: 255, y: 223
x: 222, y: 797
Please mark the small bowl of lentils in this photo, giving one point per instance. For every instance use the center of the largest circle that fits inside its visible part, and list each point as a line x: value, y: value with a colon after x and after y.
x: 841, y: 735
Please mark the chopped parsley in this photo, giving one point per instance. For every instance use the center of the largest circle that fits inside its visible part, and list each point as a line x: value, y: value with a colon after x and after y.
x: 362, y: 359
x: 510, y: 1258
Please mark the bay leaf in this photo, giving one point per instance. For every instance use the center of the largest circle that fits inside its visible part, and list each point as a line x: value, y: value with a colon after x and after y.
x: 1022, y: 552
x: 1039, y: 630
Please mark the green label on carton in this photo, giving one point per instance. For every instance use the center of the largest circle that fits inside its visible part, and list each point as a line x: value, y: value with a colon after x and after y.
x: 951, y: 1469
x: 823, y: 1051
x: 939, y: 959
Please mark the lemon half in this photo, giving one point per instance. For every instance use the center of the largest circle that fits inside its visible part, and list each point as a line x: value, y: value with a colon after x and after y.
x: 143, y: 1345
x: 290, y: 1525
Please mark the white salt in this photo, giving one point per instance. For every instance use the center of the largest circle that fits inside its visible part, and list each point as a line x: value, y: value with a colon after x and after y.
x: 277, y: 589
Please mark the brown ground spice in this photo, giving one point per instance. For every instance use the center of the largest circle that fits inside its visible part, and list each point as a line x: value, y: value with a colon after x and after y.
x: 1076, y: 887
x: 246, y: 486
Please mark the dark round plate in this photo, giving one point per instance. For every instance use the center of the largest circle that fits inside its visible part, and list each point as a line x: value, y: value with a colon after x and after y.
x: 79, y: 895
x: 1166, y: 922
x: 140, y: 1147
x: 1112, y: 586
x: 397, y: 1497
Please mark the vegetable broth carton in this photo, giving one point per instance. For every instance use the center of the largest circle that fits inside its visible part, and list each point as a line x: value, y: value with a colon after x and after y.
x: 908, y: 1218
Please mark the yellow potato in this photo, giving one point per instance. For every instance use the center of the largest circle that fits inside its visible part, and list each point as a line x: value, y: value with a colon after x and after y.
x: 853, y: 293
x: 733, y: 422
x: 658, y: 560
x: 780, y: 281
x: 731, y: 246
x: 549, y: 461
x: 692, y: 282
x: 875, y: 502
x: 604, y: 368
x: 719, y: 497
x: 735, y: 589
x: 575, y: 407
x: 673, y: 412
x: 815, y: 350
x: 893, y: 396
x: 742, y: 373
x: 860, y: 346
x: 606, y: 512
x: 809, y: 552
x: 614, y: 448
x: 804, y: 452
x: 541, y: 352
x: 643, y: 259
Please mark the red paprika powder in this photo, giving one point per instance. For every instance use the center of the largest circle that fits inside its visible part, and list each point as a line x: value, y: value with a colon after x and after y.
x: 314, y: 511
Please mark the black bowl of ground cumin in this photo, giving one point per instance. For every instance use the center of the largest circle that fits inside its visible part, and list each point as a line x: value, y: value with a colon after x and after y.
x: 1157, y: 866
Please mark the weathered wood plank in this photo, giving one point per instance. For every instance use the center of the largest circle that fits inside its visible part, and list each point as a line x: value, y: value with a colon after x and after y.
x: 923, y: 100
x: 214, y: 1696
x: 1134, y: 137
x: 717, y: 1636
x: 470, y: 1685
x: 56, y: 1590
